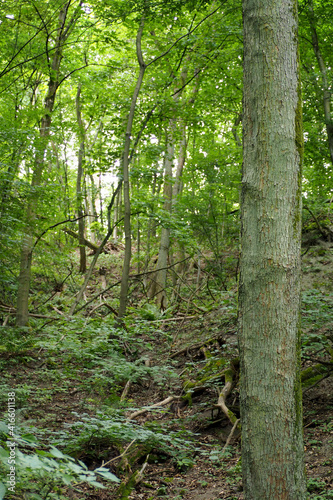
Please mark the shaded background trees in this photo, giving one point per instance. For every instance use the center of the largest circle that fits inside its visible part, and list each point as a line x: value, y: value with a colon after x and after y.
x: 185, y: 138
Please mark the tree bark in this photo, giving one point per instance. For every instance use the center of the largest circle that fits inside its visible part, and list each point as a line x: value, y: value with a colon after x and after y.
x: 269, y: 287
x: 116, y: 215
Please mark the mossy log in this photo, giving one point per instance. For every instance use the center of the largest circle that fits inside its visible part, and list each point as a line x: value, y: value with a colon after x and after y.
x: 127, y: 487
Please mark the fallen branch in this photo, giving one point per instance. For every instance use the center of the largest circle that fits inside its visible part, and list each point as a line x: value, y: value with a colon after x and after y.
x: 230, y: 435
x: 196, y: 346
x: 312, y: 372
x: 317, y: 382
x: 119, y: 456
x: 89, y: 273
x: 100, y: 305
x: 175, y: 336
x: 87, y: 243
x: 58, y: 288
x: 96, y: 296
x: 324, y: 231
x: 133, y: 277
x: 59, y: 224
x: 166, y: 320
x: 12, y: 313
x: 320, y: 361
x: 6, y: 320
x: 148, y: 408
x: 125, y: 391
x: 58, y: 311
x: 223, y: 394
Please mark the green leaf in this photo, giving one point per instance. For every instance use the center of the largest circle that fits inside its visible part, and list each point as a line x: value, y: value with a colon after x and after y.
x: 97, y: 484
x: 3, y: 453
x: 3, y: 427
x: 108, y: 475
x: 42, y: 453
x: 29, y: 438
x: 57, y: 453
x: 2, y: 491
x: 75, y: 468
x: 67, y: 479
x: 31, y: 461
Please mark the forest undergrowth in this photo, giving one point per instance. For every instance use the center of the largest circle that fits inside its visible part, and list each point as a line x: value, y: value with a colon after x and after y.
x: 150, y: 410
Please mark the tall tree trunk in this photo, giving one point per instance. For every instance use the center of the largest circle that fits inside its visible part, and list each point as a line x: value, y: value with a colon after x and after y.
x: 127, y: 203
x: 326, y: 85
x: 79, y: 185
x: 116, y: 215
x: 269, y: 288
x: 177, y: 189
x: 177, y: 186
x: 170, y: 194
x: 91, y: 208
x: 44, y: 133
x: 150, y: 229
x: 101, y: 218
x: 157, y: 290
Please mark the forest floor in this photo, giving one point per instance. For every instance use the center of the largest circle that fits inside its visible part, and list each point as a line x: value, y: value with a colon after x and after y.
x: 69, y: 387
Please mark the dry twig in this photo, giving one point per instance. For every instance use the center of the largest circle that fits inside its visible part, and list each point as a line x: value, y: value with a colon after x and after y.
x: 156, y: 405
x: 119, y: 456
x: 230, y: 435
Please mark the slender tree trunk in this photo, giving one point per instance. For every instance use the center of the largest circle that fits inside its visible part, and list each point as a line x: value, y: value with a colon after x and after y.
x: 170, y: 194
x: 326, y: 85
x: 157, y: 290
x: 127, y: 203
x: 90, y: 192
x: 44, y: 133
x: 97, y: 253
x: 79, y: 185
x: 151, y: 226
x: 116, y: 215
x: 100, y: 200
x: 269, y: 287
x: 177, y: 187
x: 91, y: 207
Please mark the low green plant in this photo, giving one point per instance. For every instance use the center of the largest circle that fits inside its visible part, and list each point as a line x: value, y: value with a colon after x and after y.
x: 203, y: 484
x: 162, y: 491
x: 217, y: 455
x: 88, y: 434
x: 44, y: 471
x: 22, y: 393
x: 235, y: 473
x: 150, y: 312
x: 317, y: 310
x: 16, y: 340
x: 315, y: 485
